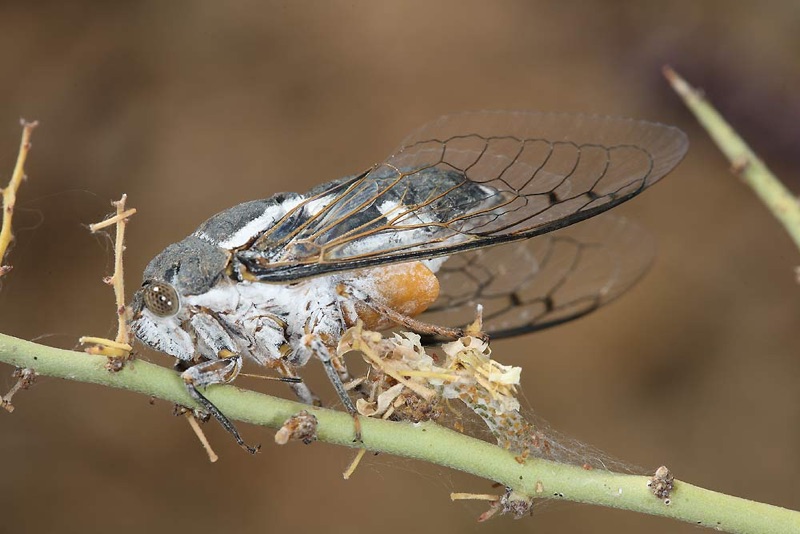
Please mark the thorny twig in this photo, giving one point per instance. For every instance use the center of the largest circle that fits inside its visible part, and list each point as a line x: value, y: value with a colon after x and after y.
x: 120, y: 347
x: 744, y: 162
x: 10, y: 192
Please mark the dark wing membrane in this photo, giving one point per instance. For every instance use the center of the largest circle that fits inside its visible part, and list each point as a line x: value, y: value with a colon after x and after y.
x: 545, y: 281
x: 465, y: 182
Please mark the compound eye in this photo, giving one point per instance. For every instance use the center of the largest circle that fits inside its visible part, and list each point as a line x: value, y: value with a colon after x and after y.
x: 161, y: 299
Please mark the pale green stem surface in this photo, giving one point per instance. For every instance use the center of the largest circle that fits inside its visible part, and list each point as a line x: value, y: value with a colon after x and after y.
x: 744, y: 162
x: 425, y: 441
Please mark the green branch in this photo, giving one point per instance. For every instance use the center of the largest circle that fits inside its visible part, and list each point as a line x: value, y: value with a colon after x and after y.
x: 426, y: 441
x: 744, y: 162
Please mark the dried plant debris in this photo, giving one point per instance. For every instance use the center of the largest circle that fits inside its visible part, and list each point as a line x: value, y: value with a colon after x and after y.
x: 194, y: 423
x: 662, y: 484
x: 407, y: 383
x: 301, y: 426
x: 194, y: 418
x: 510, y: 502
x: 354, y: 464
x: 119, y: 349
x: 25, y: 379
x: 514, y: 503
x: 10, y: 193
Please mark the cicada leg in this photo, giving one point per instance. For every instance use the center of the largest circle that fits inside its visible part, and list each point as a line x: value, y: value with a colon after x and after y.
x: 300, y: 389
x: 222, y: 365
x: 215, y: 372
x: 316, y: 345
x: 420, y: 327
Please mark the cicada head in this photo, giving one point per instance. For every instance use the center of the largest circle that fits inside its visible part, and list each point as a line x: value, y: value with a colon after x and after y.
x: 189, y: 267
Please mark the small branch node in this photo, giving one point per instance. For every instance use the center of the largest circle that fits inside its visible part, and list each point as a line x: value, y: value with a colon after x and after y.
x: 120, y: 217
x: 510, y: 502
x: 662, y: 483
x: 740, y: 164
x: 301, y: 426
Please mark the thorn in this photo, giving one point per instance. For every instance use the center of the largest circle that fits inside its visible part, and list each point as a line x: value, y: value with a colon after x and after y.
x: 739, y: 165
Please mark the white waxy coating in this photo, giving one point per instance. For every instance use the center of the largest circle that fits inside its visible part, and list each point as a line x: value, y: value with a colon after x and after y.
x: 256, y: 226
x: 267, y: 316
x: 164, y: 334
x: 257, y: 308
x: 260, y: 310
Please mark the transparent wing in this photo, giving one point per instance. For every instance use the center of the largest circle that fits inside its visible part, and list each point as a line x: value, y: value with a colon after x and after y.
x: 465, y: 182
x: 545, y: 281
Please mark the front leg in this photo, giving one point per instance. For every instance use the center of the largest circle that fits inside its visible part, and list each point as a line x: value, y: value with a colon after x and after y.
x: 222, y: 366
x: 266, y: 344
x: 215, y: 372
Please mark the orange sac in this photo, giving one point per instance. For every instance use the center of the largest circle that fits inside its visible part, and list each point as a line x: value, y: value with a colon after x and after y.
x: 407, y: 288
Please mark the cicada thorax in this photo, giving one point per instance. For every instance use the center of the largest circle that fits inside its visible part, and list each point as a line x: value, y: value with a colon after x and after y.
x: 406, y: 288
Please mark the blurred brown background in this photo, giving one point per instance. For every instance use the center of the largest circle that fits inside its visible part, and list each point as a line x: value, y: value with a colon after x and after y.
x: 191, y: 107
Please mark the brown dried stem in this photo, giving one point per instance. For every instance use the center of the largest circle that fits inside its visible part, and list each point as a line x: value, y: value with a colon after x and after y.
x: 120, y: 347
x: 10, y: 192
x: 25, y: 378
x: 212, y: 456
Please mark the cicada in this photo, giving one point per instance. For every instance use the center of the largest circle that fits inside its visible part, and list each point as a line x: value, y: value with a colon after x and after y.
x: 418, y: 240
